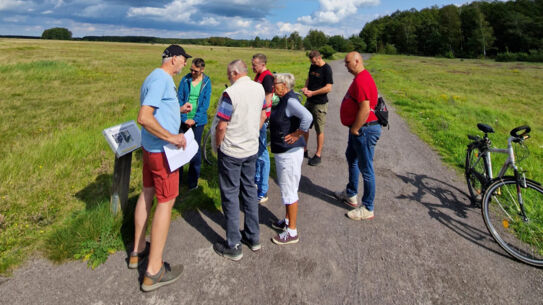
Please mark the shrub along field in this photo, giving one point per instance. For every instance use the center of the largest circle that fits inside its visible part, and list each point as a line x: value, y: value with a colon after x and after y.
x: 58, y: 96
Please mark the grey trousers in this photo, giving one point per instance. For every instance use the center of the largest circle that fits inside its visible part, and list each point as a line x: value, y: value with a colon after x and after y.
x: 236, y: 182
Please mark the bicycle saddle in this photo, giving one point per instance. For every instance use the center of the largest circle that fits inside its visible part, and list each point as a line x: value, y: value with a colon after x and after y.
x: 485, y: 128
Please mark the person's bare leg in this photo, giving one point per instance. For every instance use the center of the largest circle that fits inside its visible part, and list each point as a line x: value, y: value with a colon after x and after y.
x: 159, y: 234
x: 143, y: 207
x: 320, y: 144
x: 306, y: 138
x: 292, y: 212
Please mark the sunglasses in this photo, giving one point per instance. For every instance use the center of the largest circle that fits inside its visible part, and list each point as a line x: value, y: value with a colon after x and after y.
x: 194, y: 71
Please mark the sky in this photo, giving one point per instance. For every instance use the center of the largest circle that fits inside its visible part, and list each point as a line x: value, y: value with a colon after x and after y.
x: 238, y: 19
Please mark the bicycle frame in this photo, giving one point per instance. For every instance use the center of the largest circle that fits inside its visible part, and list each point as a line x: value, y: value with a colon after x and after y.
x: 509, y: 163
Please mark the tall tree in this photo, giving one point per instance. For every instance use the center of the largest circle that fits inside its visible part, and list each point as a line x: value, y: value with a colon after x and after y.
x: 295, y: 41
x: 314, y: 40
x: 477, y: 32
x: 450, y: 28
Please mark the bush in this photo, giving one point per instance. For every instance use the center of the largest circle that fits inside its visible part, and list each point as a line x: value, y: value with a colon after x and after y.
x: 390, y: 49
x: 532, y: 56
x: 327, y: 51
x: 57, y: 33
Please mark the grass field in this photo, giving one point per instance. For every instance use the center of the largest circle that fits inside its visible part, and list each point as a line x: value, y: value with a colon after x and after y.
x: 57, y: 97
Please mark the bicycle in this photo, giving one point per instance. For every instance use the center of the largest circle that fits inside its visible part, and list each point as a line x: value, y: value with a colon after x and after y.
x: 511, y: 206
x: 207, y: 151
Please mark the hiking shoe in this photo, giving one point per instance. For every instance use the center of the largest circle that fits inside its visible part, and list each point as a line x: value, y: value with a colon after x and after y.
x: 135, y: 259
x: 254, y: 246
x: 280, y: 225
x: 165, y: 276
x: 351, y: 201
x: 262, y: 199
x: 306, y: 154
x: 285, y: 238
x: 360, y: 214
x: 316, y: 160
x: 234, y: 253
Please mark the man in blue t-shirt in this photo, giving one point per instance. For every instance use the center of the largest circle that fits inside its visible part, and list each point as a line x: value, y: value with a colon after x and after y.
x: 160, y: 119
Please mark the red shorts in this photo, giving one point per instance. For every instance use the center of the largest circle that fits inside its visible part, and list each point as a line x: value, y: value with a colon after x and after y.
x: 156, y: 173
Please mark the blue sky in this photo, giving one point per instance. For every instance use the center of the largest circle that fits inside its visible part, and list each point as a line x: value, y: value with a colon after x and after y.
x: 198, y: 18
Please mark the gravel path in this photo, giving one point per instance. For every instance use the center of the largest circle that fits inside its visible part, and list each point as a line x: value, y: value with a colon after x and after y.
x: 426, y: 244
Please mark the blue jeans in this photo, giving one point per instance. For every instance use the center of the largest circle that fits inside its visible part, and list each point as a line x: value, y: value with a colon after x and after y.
x: 359, y: 155
x: 262, y: 163
x: 236, y: 181
x: 196, y: 161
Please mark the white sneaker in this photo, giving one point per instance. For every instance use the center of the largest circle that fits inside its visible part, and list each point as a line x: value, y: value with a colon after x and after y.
x: 350, y: 201
x: 360, y: 214
x: 262, y: 199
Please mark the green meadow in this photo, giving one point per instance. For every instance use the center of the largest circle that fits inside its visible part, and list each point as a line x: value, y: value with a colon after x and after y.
x: 444, y: 99
x: 57, y: 97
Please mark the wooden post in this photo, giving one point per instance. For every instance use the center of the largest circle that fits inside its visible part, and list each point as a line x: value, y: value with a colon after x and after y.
x: 121, y: 183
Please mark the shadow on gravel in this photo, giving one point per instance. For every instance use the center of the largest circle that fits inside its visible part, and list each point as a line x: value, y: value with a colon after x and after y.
x: 195, y: 219
x: 317, y: 191
x: 447, y: 195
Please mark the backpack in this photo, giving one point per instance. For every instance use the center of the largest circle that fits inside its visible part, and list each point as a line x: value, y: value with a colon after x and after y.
x: 381, y: 112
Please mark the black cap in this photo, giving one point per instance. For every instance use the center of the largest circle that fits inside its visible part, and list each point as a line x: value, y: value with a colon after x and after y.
x: 175, y: 50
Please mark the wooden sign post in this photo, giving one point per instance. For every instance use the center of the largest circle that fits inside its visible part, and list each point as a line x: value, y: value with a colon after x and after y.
x: 123, y: 140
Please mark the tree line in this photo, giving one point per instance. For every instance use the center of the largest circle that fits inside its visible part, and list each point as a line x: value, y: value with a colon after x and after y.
x: 479, y: 29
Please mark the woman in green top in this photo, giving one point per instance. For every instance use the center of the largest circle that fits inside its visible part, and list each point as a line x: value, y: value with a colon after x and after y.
x: 194, y: 88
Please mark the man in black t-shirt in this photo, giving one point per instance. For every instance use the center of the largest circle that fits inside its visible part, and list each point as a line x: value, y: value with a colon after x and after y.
x: 318, y: 84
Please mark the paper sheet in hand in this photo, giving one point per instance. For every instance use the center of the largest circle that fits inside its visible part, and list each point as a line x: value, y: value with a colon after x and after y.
x: 178, y: 157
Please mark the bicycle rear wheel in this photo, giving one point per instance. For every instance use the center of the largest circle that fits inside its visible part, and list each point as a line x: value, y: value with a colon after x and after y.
x: 475, y: 172
x: 520, y: 237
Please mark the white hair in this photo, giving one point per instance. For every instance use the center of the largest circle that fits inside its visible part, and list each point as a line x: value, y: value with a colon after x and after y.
x: 237, y: 66
x: 167, y: 59
x: 285, y: 78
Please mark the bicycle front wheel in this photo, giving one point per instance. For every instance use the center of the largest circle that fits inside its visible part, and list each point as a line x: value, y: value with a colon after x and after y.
x: 519, y: 234
x: 475, y: 173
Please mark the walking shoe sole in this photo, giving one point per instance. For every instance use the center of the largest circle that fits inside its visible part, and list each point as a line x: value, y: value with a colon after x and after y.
x: 263, y: 200
x: 253, y: 248
x: 350, y: 204
x: 136, y: 265
x: 234, y: 258
x: 294, y: 241
x: 359, y: 218
x: 160, y: 284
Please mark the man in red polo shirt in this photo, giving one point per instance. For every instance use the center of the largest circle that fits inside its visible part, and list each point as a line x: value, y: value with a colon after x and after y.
x: 357, y: 113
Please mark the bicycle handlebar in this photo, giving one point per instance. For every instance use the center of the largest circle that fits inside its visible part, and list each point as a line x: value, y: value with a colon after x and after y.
x: 525, y: 130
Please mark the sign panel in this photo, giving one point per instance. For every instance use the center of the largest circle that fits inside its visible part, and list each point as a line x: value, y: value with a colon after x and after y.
x: 123, y: 138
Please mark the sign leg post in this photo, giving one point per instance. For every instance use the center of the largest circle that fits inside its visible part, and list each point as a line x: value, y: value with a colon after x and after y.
x: 121, y: 183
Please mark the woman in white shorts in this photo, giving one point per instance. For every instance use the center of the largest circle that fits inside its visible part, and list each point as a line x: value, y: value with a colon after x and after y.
x: 289, y: 121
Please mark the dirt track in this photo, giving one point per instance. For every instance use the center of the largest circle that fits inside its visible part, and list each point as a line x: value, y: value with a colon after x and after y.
x: 426, y: 244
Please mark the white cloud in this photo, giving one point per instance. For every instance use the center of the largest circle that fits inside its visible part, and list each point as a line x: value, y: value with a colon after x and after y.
x: 15, y: 19
x: 335, y: 11
x: 93, y: 11
x: 177, y: 10
x: 47, y: 12
x: 209, y: 21
x: 11, y: 4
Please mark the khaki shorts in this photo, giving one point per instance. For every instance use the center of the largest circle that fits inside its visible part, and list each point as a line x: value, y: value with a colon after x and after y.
x: 318, y: 111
